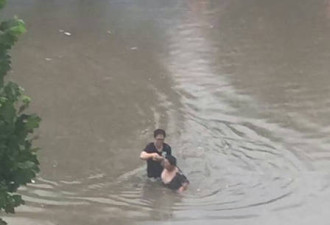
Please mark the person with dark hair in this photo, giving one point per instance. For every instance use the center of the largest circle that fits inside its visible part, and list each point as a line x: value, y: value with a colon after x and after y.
x: 155, y: 152
x: 172, y: 177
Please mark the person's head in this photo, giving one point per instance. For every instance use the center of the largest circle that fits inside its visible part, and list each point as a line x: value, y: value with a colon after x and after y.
x: 170, y: 162
x: 159, y: 136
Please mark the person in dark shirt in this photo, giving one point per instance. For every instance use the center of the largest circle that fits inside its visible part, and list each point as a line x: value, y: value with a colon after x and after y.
x: 172, y: 177
x: 154, y: 154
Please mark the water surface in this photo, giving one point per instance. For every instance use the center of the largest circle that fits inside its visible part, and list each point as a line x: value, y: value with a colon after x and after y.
x: 241, y: 86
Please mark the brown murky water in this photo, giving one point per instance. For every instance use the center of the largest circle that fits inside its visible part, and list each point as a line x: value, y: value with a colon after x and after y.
x: 241, y: 86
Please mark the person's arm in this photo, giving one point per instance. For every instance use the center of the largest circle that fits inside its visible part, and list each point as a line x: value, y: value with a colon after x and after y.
x: 184, y: 183
x: 145, y: 155
x: 183, y: 187
x: 148, y: 153
x: 162, y: 161
x: 169, y: 150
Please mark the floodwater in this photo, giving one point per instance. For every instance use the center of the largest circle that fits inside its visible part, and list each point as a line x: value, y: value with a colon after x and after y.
x: 241, y: 86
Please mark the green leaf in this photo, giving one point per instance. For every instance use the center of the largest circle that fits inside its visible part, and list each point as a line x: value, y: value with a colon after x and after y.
x: 12, y: 91
x: 2, y: 4
x: 32, y: 122
x: 4, y: 66
x: 34, y: 150
x: 18, y: 28
x: 26, y: 99
x: 9, y: 208
x: 26, y: 165
x: 1, y: 221
x: 18, y: 200
x: 7, y: 113
x: 3, y: 99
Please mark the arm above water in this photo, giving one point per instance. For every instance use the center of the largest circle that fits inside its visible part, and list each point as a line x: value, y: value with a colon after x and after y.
x: 184, y: 183
x: 147, y: 152
x: 145, y: 155
x: 183, y: 187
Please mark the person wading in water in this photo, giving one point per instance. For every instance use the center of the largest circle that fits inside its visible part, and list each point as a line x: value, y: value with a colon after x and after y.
x: 154, y: 153
x: 172, y: 176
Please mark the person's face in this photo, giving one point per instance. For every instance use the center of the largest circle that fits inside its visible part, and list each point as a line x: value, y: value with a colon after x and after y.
x: 159, y: 139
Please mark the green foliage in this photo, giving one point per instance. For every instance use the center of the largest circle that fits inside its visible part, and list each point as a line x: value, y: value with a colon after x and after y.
x: 2, y: 222
x: 18, y: 160
x: 2, y: 3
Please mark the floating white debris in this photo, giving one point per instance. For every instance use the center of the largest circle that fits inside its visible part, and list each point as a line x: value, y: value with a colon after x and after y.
x: 33, y: 181
x: 54, y: 164
x: 48, y: 59
x: 109, y: 32
x: 144, y: 131
x: 67, y: 33
x: 61, y: 31
x: 134, y: 48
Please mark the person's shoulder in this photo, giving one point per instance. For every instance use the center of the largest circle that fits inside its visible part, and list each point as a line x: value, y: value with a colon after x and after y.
x: 166, y: 146
x: 151, y: 144
x: 149, y: 147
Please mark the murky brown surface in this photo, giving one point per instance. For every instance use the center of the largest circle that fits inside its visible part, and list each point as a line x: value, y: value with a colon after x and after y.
x: 241, y: 86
